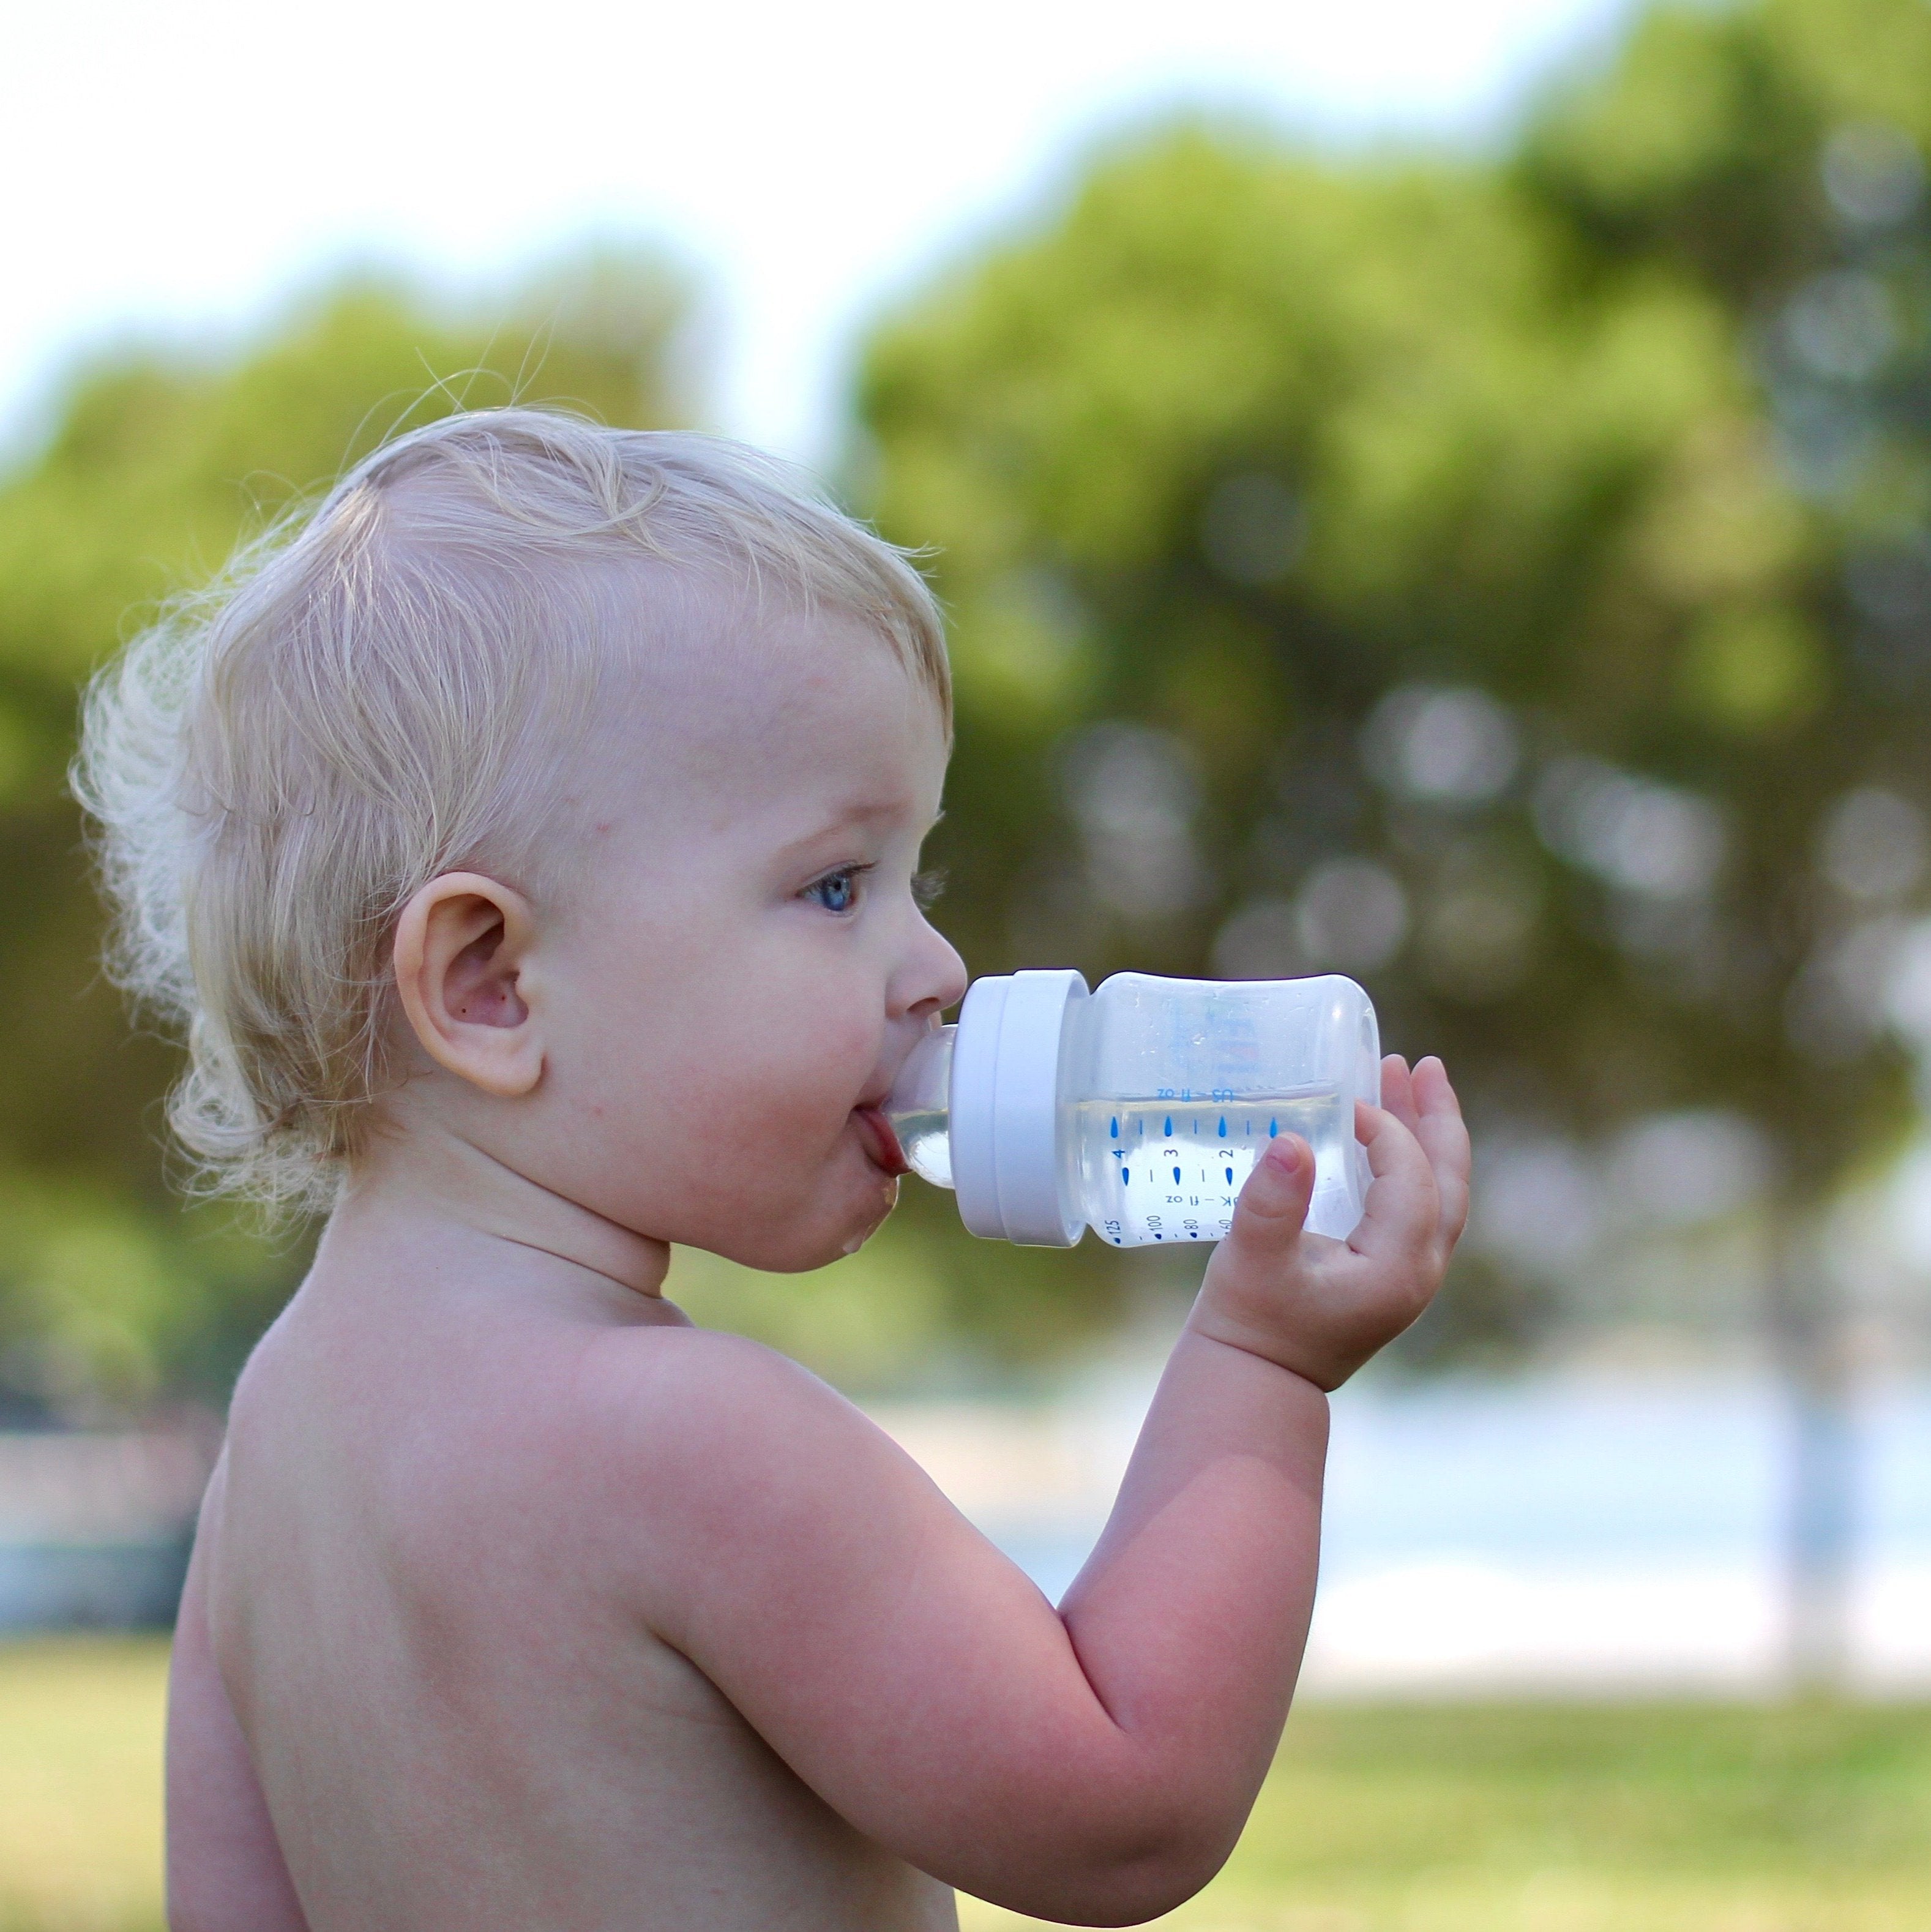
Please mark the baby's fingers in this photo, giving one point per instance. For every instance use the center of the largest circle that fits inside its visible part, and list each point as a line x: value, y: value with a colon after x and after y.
x: 1268, y: 1217
x: 1266, y: 1234
x: 1403, y: 1211
x: 1444, y: 1139
x: 1247, y: 1298
x: 1398, y: 1094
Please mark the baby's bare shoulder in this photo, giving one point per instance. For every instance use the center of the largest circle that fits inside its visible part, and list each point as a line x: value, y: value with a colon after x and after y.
x: 709, y: 1404
x: 744, y: 1463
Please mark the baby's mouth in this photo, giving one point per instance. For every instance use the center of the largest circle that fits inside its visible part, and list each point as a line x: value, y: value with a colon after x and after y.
x: 880, y: 1142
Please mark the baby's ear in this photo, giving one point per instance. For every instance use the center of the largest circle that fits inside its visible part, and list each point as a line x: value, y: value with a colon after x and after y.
x: 460, y: 947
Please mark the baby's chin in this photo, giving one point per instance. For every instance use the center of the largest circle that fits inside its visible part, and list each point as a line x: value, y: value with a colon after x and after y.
x: 855, y: 1242
x: 812, y: 1235
x: 860, y: 1229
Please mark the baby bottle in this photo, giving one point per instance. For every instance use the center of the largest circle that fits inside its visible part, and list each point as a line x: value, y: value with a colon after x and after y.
x: 1138, y: 1110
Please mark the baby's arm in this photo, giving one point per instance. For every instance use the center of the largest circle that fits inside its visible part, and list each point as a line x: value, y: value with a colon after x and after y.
x: 225, y: 1871
x: 1093, y: 1764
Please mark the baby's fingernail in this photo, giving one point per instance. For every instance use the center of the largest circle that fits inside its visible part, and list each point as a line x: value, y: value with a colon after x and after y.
x: 1286, y: 1155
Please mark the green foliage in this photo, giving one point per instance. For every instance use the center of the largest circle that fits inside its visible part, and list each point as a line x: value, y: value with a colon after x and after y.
x: 1262, y: 485
x: 159, y: 461
x: 1615, y: 454
x: 1701, y: 145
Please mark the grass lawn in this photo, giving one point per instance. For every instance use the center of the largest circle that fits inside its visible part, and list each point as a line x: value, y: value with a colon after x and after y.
x: 1450, y: 1818
x: 80, y: 1785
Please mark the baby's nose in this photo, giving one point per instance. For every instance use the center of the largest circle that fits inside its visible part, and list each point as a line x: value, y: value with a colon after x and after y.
x: 937, y: 976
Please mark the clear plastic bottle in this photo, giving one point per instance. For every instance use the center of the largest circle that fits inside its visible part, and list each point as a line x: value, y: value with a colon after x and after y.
x: 1138, y: 1110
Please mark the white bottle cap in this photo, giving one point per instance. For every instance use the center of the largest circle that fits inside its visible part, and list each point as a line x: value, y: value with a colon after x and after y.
x: 1008, y: 1165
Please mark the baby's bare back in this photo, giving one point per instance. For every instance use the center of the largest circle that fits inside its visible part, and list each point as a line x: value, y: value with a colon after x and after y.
x: 425, y: 1561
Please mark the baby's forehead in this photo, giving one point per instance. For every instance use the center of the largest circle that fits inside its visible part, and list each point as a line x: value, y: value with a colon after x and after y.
x: 730, y: 693
x: 693, y: 659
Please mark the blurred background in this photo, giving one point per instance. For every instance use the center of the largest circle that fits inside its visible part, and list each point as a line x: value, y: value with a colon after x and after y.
x: 1441, y: 495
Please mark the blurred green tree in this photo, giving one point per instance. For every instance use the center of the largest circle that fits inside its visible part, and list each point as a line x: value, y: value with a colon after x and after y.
x: 1509, y: 583
x: 158, y: 460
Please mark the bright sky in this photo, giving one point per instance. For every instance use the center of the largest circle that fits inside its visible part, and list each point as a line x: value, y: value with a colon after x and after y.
x: 187, y: 166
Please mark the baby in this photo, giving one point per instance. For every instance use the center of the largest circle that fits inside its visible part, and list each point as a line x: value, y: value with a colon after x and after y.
x: 527, y: 838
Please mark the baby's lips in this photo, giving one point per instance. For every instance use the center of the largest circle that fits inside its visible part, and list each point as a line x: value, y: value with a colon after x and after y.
x: 881, y: 1142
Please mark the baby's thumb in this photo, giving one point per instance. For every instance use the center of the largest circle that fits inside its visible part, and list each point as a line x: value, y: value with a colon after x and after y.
x: 1273, y: 1204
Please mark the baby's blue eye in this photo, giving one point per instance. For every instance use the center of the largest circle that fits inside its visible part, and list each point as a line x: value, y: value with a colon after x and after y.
x: 836, y: 891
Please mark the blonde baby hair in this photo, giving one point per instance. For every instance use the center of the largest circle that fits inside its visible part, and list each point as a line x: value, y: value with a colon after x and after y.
x: 376, y: 691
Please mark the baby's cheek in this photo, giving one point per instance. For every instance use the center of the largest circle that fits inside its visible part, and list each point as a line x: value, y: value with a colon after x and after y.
x: 768, y: 1100
x: 816, y: 1066
x: 765, y: 1108
x: 794, y: 1114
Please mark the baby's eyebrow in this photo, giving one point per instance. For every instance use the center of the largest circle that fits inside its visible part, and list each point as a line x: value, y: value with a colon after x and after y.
x: 857, y: 814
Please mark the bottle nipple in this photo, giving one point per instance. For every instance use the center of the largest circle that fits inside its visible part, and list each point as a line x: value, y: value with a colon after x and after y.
x: 919, y: 1107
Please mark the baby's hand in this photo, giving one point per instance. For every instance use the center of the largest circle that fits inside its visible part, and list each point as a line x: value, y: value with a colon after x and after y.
x: 1320, y: 1307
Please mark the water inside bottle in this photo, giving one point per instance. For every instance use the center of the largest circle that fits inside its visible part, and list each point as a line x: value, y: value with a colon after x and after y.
x: 1168, y: 1170
x: 925, y: 1139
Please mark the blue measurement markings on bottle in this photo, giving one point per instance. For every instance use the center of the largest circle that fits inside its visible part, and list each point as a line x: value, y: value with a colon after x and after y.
x: 1176, y: 1173
x: 1155, y: 1172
